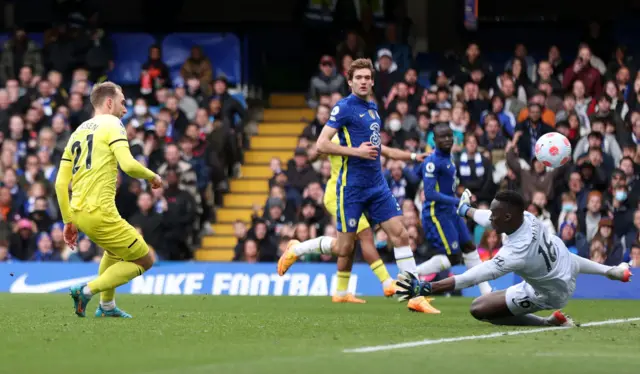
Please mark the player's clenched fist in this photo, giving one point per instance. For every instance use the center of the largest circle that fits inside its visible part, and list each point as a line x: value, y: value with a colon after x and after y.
x: 156, y: 182
x: 367, y: 151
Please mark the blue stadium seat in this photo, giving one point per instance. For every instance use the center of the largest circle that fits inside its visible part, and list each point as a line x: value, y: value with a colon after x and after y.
x: 37, y: 37
x: 222, y: 49
x: 131, y: 51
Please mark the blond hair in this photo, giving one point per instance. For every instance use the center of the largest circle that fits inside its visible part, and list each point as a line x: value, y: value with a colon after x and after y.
x: 102, y: 91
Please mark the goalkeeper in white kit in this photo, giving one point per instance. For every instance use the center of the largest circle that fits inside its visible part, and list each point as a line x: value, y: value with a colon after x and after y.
x: 542, y: 260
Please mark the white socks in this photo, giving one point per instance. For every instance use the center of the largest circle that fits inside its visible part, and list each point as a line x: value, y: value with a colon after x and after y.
x: 321, y: 244
x: 404, y: 259
x: 472, y: 259
x: 108, y: 305
x: 86, y: 291
x: 587, y: 266
x: 435, y: 264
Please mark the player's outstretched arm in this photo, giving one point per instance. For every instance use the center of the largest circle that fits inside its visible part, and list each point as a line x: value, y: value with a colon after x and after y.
x: 62, y: 187
x: 408, y: 286
x: 131, y: 166
x: 399, y: 154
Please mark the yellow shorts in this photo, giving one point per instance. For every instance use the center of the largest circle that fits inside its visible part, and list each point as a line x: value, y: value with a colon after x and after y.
x: 331, y: 204
x: 108, y: 230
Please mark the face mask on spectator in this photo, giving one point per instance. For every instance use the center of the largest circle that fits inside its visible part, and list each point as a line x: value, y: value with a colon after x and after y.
x: 140, y: 110
x: 568, y: 207
x: 621, y: 195
x: 395, y: 125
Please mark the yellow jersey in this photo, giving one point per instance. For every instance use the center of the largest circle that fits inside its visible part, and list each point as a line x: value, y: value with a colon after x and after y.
x: 95, y: 167
x: 336, y: 164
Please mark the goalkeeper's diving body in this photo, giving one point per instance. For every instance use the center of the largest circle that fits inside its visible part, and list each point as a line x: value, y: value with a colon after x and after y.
x: 90, y: 163
x: 542, y: 260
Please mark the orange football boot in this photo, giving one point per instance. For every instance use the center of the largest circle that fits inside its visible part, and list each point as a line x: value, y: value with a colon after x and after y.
x: 422, y: 304
x: 348, y: 298
x: 288, y: 258
x: 390, y: 290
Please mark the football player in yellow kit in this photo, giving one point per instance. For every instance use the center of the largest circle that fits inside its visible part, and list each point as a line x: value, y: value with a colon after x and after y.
x: 90, y: 163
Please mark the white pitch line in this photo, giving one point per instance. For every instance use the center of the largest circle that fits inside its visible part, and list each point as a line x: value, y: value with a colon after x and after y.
x: 479, y: 337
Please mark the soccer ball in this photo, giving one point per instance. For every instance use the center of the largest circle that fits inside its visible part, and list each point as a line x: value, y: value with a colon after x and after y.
x: 553, y: 149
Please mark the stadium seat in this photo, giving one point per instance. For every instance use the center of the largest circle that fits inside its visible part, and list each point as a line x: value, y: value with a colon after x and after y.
x: 222, y: 49
x: 131, y: 51
x: 37, y: 37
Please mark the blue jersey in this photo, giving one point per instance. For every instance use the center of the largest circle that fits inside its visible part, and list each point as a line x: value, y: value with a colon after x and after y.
x: 357, y: 122
x: 438, y: 174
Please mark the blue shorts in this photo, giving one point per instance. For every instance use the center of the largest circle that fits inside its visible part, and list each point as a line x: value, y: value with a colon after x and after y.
x: 446, y: 233
x: 378, y: 202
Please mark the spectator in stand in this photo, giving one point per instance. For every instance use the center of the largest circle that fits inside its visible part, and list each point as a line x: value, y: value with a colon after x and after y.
x: 583, y: 70
x: 474, y: 170
x: 529, y: 66
x: 198, y: 66
x: 353, y: 46
x: 529, y: 131
x: 515, y: 101
x: 299, y: 172
x: 150, y: 222
x: 267, y: 248
x: 230, y: 106
x: 17, y: 52
x: 326, y: 82
x: 312, y: 130
x: 489, y: 245
x: 179, y: 214
x: 386, y: 75
x: 154, y: 75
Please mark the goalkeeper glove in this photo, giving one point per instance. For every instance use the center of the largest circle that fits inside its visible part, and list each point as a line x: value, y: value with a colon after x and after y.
x: 408, y: 287
x: 465, y: 203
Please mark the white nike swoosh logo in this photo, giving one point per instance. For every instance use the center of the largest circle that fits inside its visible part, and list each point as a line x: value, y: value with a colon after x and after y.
x: 362, y: 115
x: 20, y: 286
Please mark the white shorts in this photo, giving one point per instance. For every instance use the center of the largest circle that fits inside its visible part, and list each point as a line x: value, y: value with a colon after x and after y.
x: 522, y: 299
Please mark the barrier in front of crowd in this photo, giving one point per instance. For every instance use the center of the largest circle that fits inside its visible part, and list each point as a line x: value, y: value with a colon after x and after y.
x: 169, y: 278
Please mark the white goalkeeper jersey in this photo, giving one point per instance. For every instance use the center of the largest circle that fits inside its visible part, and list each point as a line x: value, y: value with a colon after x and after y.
x: 539, y: 258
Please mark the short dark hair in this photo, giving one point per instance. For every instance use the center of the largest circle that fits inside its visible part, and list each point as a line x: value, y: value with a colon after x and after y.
x: 512, y: 198
x: 101, y: 91
x: 441, y: 124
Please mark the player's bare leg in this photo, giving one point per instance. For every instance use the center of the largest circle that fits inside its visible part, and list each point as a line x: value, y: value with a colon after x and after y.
x: 372, y: 257
x: 342, y: 295
x: 403, y: 253
x: 344, y: 250
x: 321, y: 245
x: 328, y: 245
x: 493, y: 308
x: 586, y: 266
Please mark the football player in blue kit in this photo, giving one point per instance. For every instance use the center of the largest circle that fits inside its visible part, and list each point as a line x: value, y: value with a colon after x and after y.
x: 446, y: 232
x: 361, y: 186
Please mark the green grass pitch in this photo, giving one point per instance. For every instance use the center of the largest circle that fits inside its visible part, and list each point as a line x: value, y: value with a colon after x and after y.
x: 286, y: 335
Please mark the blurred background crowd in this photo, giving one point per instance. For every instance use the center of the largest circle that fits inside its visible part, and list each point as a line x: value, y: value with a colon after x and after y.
x: 188, y: 127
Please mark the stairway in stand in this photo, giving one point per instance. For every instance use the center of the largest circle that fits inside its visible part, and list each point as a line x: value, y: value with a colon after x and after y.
x: 277, y: 136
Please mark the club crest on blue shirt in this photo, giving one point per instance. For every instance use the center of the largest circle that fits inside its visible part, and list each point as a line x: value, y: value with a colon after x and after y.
x: 375, y: 136
x: 372, y: 114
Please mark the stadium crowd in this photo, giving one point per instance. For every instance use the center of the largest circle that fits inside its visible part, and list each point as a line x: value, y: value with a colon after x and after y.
x: 183, y: 129
x: 497, y: 113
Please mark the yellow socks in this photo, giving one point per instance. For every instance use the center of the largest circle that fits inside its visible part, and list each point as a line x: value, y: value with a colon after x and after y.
x: 107, y: 260
x: 115, y: 275
x: 343, y: 282
x: 380, y: 270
